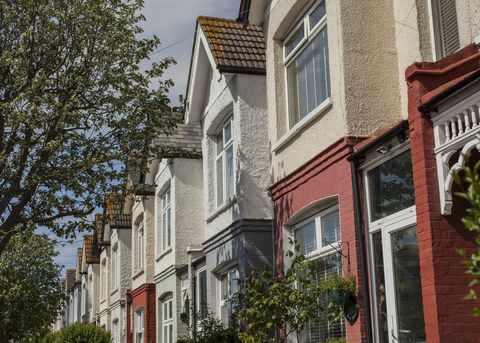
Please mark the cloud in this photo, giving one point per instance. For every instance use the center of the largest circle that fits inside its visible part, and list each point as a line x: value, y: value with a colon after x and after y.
x: 174, y: 21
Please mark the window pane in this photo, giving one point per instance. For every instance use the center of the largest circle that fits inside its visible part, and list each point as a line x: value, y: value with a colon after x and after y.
x: 228, y: 132
x: 322, y: 330
x: 294, y: 40
x: 220, y: 181
x: 318, y: 13
x: 391, y: 186
x: 229, y: 171
x: 224, y: 282
x: 306, y: 236
x: 408, y: 289
x: 169, y: 227
x: 379, y: 287
x: 233, y: 282
x: 202, y: 290
x: 330, y: 228
x: 308, y: 78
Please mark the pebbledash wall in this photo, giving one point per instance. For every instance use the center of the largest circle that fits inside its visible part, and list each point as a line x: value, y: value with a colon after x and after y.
x: 444, y: 282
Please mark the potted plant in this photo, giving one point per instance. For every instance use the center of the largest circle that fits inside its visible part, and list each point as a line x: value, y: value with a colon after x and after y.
x: 342, y: 298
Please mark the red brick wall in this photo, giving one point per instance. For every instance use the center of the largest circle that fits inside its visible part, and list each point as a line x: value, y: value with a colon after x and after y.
x: 326, y: 175
x: 143, y: 296
x: 444, y: 282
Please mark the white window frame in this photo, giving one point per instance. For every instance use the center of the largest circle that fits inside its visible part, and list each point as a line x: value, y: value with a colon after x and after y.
x: 103, y: 280
x: 140, y: 246
x: 225, y: 300
x: 388, y: 225
x: 223, y: 155
x: 435, y: 30
x: 166, y: 206
x: 139, y: 321
x: 168, y: 315
x: 114, y: 268
x: 310, y: 33
x: 322, y: 250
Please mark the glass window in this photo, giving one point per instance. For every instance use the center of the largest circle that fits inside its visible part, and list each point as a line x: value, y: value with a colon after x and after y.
x: 202, y: 304
x: 103, y: 281
x: 445, y: 27
x: 114, y: 267
x: 408, y: 289
x: 308, y: 78
x: 391, y: 186
x: 319, y: 233
x: 228, y: 289
x: 139, y: 326
x: 140, y: 246
x: 167, y: 321
x: 224, y: 167
x: 166, y: 220
x: 379, y: 287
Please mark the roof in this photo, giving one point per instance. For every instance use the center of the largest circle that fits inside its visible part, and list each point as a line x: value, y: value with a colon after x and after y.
x: 235, y: 48
x: 70, y: 276
x: 115, y: 214
x: 102, y: 237
x: 185, y: 141
x: 79, y: 259
x: 92, y: 253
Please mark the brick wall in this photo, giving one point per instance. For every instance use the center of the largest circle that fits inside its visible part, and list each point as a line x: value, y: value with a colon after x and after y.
x: 143, y: 296
x: 328, y: 174
x: 444, y: 282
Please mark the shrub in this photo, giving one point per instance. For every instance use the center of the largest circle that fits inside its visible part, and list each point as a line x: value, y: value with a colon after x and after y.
x: 79, y: 333
x: 213, y: 330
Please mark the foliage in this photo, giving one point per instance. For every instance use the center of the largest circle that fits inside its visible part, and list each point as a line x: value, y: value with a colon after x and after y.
x: 74, y: 104
x: 471, y: 178
x: 79, y: 333
x: 213, y: 330
x: 268, y: 302
x: 30, y: 287
x: 337, y: 289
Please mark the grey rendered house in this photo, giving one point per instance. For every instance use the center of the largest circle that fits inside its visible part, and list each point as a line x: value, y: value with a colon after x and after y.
x: 226, y: 95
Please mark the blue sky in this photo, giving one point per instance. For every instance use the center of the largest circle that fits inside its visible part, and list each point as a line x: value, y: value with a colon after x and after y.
x: 174, y: 23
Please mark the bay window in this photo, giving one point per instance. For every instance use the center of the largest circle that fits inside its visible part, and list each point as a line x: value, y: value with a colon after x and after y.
x: 306, y: 64
x: 224, y: 164
x: 319, y: 240
x: 393, y: 249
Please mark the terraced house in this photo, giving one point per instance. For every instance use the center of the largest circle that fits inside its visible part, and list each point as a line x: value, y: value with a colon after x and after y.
x: 313, y: 121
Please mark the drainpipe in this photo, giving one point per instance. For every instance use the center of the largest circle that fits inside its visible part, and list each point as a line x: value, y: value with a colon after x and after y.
x: 361, y: 246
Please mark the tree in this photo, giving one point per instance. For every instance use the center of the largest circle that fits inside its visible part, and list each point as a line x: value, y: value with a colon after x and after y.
x: 267, y: 302
x: 30, y: 288
x: 74, y: 105
x: 79, y: 333
x: 470, y: 177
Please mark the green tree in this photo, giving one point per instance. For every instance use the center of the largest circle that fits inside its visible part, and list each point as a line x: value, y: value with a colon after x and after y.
x: 74, y: 104
x: 469, y: 179
x: 267, y: 302
x: 79, y: 333
x: 30, y: 287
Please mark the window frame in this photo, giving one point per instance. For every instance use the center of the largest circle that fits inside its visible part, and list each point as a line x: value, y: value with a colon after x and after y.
x: 139, y: 314
x: 222, y: 155
x: 166, y: 208
x: 310, y: 33
x: 167, y: 322
x: 321, y: 250
x: 436, y: 34
x: 198, y: 295
x: 140, y: 247
x: 386, y: 226
x: 222, y: 300
x: 114, y: 268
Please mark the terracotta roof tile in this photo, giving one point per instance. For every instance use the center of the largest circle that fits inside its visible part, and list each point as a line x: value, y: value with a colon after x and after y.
x: 235, y: 48
x: 92, y: 253
x: 114, y: 209
x: 79, y: 260
x: 70, y: 276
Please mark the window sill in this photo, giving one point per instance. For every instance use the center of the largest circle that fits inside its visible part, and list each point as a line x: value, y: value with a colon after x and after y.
x: 298, y: 127
x: 222, y: 208
x: 137, y: 274
x: 165, y: 252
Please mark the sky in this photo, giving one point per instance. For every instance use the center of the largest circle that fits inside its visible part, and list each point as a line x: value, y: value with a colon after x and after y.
x: 173, y: 21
